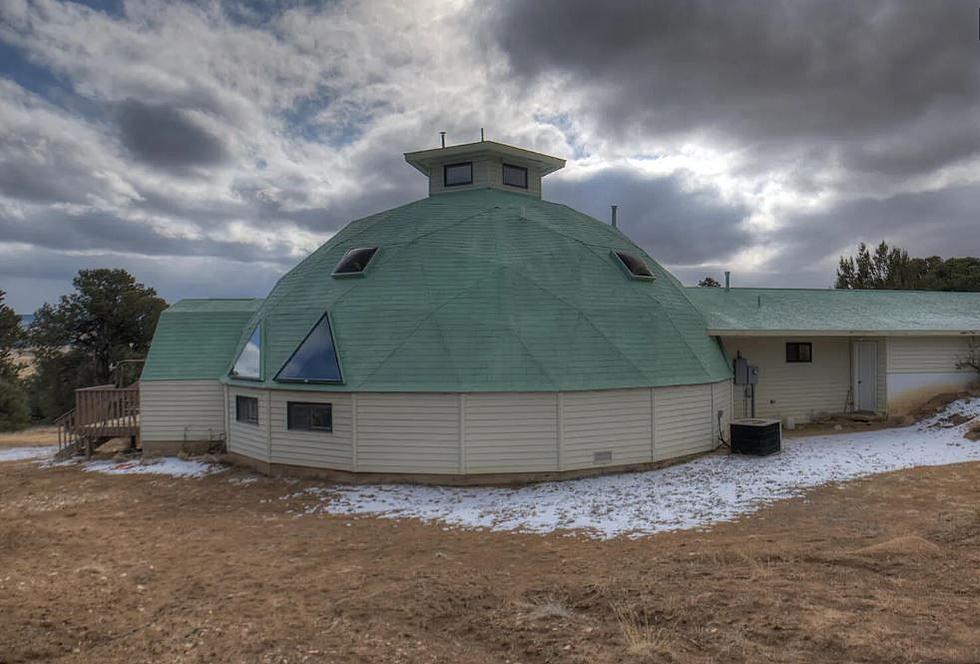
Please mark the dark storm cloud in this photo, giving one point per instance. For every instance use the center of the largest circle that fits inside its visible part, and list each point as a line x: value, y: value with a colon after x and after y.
x: 105, y: 231
x: 944, y: 222
x: 673, y: 225
x: 38, y: 169
x: 30, y: 181
x: 165, y: 137
x: 34, y: 275
x: 758, y: 73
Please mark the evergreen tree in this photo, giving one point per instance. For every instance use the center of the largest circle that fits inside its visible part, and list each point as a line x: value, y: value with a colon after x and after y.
x: 14, y: 413
x: 108, y: 318
x: 893, y: 268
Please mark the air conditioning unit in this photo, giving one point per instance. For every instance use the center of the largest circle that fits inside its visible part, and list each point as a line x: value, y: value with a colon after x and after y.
x: 756, y: 436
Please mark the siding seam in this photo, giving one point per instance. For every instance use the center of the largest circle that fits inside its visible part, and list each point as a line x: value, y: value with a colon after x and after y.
x: 560, y: 430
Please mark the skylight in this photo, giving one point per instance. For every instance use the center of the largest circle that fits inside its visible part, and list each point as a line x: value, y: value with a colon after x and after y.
x: 634, y: 265
x: 355, y: 261
x: 249, y: 362
x: 315, y: 360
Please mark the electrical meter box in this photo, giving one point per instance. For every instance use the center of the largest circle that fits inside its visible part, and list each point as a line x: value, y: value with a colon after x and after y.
x: 741, y: 371
x: 753, y: 375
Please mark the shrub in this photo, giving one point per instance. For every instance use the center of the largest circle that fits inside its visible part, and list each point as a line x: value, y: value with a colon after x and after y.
x: 14, y: 414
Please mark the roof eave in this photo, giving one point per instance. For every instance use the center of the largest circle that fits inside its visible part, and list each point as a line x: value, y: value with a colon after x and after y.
x: 722, y: 332
x: 422, y: 159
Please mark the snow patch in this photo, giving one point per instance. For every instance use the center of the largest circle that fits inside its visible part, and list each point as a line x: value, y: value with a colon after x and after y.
x: 22, y: 453
x: 696, y: 494
x: 173, y: 467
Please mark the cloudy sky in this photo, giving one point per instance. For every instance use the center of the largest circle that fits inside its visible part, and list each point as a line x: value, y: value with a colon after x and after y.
x: 207, y: 147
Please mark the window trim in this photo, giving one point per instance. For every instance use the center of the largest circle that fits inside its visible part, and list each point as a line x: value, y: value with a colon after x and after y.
x: 336, y: 350
x: 367, y: 266
x: 503, y: 172
x: 445, y: 174
x: 618, y: 257
x: 243, y: 417
x: 790, y: 359
x: 309, y: 404
x: 260, y: 328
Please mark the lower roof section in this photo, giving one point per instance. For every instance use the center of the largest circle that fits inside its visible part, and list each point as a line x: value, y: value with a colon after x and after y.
x: 832, y: 312
x: 195, y: 338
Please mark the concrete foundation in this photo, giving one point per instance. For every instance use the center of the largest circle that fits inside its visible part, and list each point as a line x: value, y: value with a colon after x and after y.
x: 173, y: 448
x: 489, y: 479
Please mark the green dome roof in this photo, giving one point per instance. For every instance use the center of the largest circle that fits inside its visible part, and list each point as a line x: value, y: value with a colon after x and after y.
x: 486, y: 290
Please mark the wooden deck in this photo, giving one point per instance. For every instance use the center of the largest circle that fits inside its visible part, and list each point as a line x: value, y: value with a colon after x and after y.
x: 101, y: 413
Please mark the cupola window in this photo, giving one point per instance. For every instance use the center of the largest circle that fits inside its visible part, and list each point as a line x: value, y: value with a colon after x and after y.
x: 634, y: 265
x: 457, y: 175
x: 315, y: 359
x: 249, y: 362
x: 355, y: 261
x: 515, y: 176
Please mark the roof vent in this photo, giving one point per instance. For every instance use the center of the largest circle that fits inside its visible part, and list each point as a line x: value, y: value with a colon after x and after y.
x: 634, y: 265
x: 355, y: 262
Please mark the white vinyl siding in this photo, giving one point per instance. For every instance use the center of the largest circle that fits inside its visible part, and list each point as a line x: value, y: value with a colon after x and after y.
x: 510, y: 432
x: 682, y: 421
x: 617, y: 422
x: 721, y: 400
x: 486, y: 173
x: 481, y: 177
x: 408, y: 433
x: 919, y: 368
x: 317, y: 449
x: 181, y: 410
x: 251, y: 440
x: 487, y: 433
x: 926, y: 354
x: 794, y: 389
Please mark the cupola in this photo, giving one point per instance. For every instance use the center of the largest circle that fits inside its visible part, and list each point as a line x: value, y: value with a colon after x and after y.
x: 482, y: 165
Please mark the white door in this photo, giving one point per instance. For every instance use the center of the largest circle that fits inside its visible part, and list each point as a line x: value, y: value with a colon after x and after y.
x: 864, y: 371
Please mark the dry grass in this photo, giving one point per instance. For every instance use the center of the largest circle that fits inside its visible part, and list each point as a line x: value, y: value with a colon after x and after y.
x: 91, y: 560
x: 642, y: 637
x: 43, y: 435
x: 547, y: 607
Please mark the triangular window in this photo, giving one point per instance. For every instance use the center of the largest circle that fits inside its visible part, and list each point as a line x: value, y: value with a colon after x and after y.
x: 315, y: 360
x: 249, y: 362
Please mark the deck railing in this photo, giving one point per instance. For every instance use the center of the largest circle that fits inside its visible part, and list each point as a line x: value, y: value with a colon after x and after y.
x: 106, y: 410
x: 100, y: 413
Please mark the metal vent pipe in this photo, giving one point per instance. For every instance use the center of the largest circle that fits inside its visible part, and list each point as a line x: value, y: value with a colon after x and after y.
x: 613, y: 209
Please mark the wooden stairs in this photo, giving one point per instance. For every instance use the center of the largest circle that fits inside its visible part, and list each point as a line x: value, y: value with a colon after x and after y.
x: 100, y: 414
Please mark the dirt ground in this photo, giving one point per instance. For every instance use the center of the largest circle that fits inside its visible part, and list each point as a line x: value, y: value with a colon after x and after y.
x: 100, y: 568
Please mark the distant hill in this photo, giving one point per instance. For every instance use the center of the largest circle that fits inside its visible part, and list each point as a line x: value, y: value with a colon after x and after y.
x: 26, y: 320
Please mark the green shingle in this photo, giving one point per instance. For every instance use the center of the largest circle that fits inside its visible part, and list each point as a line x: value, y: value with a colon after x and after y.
x: 195, y: 339
x: 489, y: 291
x: 831, y: 310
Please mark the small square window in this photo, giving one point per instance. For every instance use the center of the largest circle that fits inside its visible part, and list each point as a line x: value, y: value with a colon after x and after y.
x: 799, y: 351
x: 309, y: 416
x: 515, y: 176
x: 247, y: 409
x: 457, y: 175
